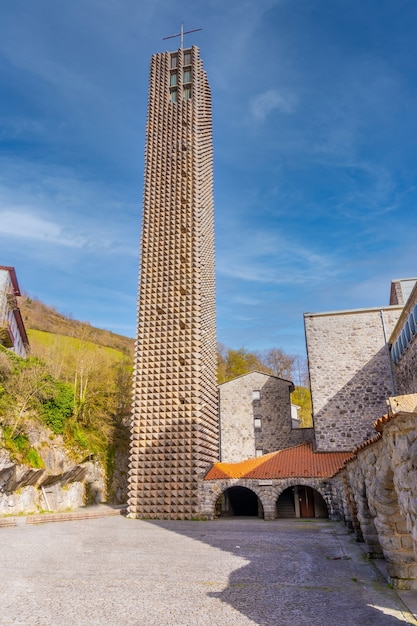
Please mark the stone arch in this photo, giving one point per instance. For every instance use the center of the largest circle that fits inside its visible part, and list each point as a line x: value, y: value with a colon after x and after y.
x: 319, y: 487
x: 320, y: 499
x: 220, y: 487
x: 395, y: 540
x: 239, y: 500
x: 366, y: 517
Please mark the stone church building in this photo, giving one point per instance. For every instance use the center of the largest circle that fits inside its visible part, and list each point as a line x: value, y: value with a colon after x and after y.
x: 200, y: 451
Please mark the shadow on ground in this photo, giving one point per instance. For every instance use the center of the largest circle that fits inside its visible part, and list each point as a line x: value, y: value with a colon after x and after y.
x: 298, y: 573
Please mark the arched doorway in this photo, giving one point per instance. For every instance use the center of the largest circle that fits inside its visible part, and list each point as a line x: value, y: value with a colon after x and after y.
x: 301, y: 501
x: 239, y: 501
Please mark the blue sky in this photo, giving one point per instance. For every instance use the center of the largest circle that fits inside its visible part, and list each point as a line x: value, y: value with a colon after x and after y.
x: 314, y: 112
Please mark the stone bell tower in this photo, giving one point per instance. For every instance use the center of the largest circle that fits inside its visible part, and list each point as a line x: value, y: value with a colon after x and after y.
x: 174, y: 433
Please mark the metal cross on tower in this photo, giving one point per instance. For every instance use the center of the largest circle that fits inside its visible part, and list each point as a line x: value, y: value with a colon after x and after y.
x: 181, y: 35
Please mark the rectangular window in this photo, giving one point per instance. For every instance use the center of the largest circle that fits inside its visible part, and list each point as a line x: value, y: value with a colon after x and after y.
x: 187, y: 57
x: 187, y: 76
x: 259, y: 452
x: 173, y: 95
x: 174, y: 61
x: 173, y: 79
x: 187, y: 93
x: 257, y: 423
x: 256, y: 394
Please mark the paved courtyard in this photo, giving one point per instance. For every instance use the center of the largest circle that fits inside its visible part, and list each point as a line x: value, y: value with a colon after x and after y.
x: 230, y: 572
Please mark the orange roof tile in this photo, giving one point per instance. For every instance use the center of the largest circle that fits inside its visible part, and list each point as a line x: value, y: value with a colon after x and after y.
x: 300, y: 461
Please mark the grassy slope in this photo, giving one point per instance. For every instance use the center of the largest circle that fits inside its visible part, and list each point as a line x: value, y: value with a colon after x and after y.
x: 38, y: 316
x: 65, y: 344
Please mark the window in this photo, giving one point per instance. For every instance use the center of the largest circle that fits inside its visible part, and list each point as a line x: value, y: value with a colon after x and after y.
x: 187, y: 93
x: 174, y: 61
x: 259, y: 452
x: 412, y: 324
x: 173, y: 95
x: 173, y: 79
x: 187, y: 76
x: 187, y: 57
x: 407, y: 331
x: 404, y: 339
x: 257, y: 423
x: 256, y: 394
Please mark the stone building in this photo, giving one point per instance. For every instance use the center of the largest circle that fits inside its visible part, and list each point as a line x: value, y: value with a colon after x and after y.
x: 403, y: 342
x: 175, y: 419
x: 255, y: 417
x: 350, y: 372
x: 12, y: 329
x: 359, y: 362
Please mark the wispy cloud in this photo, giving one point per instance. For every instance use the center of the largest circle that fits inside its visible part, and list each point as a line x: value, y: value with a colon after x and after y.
x: 273, y: 259
x: 20, y: 223
x: 271, y: 100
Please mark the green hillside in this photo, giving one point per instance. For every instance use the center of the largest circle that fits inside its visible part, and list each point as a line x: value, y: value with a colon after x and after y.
x: 39, y: 316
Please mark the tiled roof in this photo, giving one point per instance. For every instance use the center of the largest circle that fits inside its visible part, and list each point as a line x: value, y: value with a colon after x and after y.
x: 381, y: 421
x: 300, y: 461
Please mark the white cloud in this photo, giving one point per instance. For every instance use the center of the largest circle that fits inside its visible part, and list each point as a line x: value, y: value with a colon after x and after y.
x: 275, y: 260
x: 23, y: 224
x: 265, y: 103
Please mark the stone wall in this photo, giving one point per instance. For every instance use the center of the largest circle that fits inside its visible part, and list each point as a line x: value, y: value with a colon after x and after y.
x: 241, y: 413
x: 405, y: 360
x: 268, y: 492
x: 376, y: 493
x: 62, y: 484
x: 350, y: 373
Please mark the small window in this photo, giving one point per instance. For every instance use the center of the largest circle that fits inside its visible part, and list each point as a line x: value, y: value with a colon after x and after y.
x: 174, y: 61
x: 400, y: 346
x: 257, y: 423
x: 404, y: 339
x: 259, y: 452
x: 256, y: 394
x: 173, y: 79
x: 412, y: 324
x: 173, y: 95
x: 187, y: 93
x: 187, y: 76
x: 407, y: 331
x: 187, y: 57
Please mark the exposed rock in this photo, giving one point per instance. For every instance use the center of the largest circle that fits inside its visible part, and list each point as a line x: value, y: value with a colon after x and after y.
x: 62, y: 484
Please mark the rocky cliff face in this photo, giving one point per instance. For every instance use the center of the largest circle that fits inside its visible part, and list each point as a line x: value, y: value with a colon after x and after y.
x: 64, y: 483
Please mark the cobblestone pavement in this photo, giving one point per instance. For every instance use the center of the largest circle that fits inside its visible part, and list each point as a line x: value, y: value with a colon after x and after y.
x: 230, y: 572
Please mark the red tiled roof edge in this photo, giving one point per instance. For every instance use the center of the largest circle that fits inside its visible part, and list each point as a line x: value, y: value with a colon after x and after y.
x: 299, y: 461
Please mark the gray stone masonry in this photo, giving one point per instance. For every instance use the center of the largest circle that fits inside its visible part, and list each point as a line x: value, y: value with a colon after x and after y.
x: 249, y: 424
x: 268, y: 492
x: 350, y: 373
x: 377, y: 494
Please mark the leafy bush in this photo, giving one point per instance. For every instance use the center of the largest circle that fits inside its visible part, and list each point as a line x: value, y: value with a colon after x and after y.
x: 57, y: 409
x: 19, y: 447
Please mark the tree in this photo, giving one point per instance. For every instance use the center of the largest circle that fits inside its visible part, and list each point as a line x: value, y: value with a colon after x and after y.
x: 278, y: 362
x: 233, y: 363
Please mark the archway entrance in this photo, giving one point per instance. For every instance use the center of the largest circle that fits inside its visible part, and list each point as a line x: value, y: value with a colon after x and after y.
x: 301, y: 501
x: 239, y: 501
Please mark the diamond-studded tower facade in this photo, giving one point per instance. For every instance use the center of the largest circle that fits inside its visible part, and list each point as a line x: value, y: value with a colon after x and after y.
x: 174, y: 433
